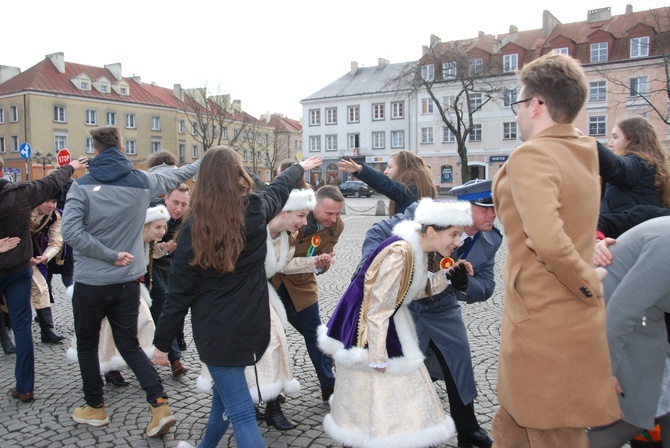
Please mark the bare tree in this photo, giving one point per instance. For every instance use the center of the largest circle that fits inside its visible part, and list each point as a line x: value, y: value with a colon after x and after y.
x: 212, y: 118
x: 260, y: 144
x: 446, y: 71
x: 647, y: 93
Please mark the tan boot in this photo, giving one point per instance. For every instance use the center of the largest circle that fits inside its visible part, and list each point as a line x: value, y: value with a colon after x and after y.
x: 162, y: 419
x: 91, y: 416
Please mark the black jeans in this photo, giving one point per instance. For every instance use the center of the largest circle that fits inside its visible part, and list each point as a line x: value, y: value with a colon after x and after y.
x: 120, y: 304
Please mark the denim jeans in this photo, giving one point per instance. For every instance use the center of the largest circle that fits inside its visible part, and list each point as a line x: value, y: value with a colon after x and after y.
x: 120, y: 304
x: 158, y: 296
x: 16, y: 289
x: 306, y: 323
x: 231, y: 402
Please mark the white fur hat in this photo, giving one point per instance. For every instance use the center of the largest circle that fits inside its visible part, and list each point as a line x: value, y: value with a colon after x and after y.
x: 443, y: 213
x: 300, y: 200
x: 155, y: 213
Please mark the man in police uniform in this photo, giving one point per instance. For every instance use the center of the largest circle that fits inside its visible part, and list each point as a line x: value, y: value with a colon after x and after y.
x: 439, y: 323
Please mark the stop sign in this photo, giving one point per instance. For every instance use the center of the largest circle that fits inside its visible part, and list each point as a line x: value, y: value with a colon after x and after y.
x: 63, y: 157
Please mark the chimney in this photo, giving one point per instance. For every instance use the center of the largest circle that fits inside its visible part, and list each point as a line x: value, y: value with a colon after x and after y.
x: 629, y: 10
x: 481, y: 34
x: 513, y: 29
x: 434, y: 40
x: 177, y: 92
x: 7, y: 72
x: 599, y: 15
x: 237, y: 105
x: 268, y: 117
x: 381, y: 63
x: 497, y: 43
x: 549, y: 22
x: 115, y: 70
x: 58, y: 59
x: 354, y: 68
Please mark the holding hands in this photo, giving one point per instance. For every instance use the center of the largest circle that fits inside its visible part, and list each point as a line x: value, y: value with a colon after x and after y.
x: 324, y: 260
x: 458, y: 275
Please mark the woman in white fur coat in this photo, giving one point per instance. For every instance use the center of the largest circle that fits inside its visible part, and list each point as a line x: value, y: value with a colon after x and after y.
x: 111, y: 361
x: 384, y: 396
x: 275, y: 374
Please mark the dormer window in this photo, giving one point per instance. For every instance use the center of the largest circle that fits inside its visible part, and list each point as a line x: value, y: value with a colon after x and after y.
x: 123, y: 90
x: 104, y: 88
x: 639, y: 47
x: 84, y: 85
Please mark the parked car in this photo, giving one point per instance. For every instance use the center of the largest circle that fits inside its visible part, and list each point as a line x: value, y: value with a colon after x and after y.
x: 355, y: 188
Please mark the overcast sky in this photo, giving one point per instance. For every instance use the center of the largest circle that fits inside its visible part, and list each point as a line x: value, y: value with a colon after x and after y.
x: 268, y: 54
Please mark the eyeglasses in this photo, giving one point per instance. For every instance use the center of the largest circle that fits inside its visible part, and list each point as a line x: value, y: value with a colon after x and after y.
x: 515, y: 105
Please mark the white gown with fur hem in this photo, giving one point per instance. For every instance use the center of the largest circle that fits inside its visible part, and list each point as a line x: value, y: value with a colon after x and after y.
x: 275, y: 374
x: 108, y: 355
x: 399, y: 407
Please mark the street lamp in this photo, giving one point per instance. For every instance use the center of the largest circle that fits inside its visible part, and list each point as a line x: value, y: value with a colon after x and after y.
x: 44, y: 158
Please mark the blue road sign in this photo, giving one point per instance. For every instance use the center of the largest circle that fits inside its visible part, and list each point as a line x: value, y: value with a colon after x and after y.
x: 25, y: 150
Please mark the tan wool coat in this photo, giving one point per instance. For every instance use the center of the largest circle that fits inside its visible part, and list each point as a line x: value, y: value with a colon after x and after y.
x: 302, y: 287
x: 554, y: 366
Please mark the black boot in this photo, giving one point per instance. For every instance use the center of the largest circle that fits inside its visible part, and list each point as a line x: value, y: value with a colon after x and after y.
x: 114, y: 377
x: 47, y: 325
x: 6, y: 340
x: 275, y: 417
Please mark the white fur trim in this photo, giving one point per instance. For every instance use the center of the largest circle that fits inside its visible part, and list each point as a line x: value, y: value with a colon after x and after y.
x: 156, y: 213
x: 443, y: 213
x: 69, y: 292
x: 115, y: 363
x: 300, y: 200
x: 204, y: 384
x: 145, y: 295
x: 274, y: 264
x: 433, y: 436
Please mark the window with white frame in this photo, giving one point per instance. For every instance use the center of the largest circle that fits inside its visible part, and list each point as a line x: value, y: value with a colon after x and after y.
x: 447, y: 135
x: 510, y: 62
x: 155, y: 123
x: 2, y: 144
x: 104, y: 88
x: 131, y: 147
x: 123, y: 90
x: 353, y: 114
x: 182, y: 152
x: 14, y: 143
x: 315, y: 117
x: 397, y: 110
x: 314, y: 143
x: 111, y: 118
x: 245, y: 155
x: 597, y: 91
x: 59, y: 114
x: 331, y: 142
x: 378, y: 140
x: 155, y: 146
x: 639, y: 47
x: 267, y: 175
x: 426, y: 105
x: 448, y: 70
x: 476, y: 66
x: 599, y: 52
x: 90, y: 149
x: 60, y: 141
x: 331, y: 115
x: 639, y: 86
x: 509, y: 130
x: 236, y: 132
x: 476, y: 101
x: 181, y: 126
x: 428, y: 72
x: 194, y: 128
x: 562, y: 50
x: 2, y: 115
x: 267, y: 139
x: 476, y: 134
x: 510, y: 96
x: 378, y: 111
x: 259, y: 157
x: 131, y: 121
x: 224, y: 132
x: 13, y: 114
x: 598, y: 125
x: 84, y: 85
x: 448, y: 103
x: 427, y: 135
x: 397, y: 139
x: 91, y: 117
x: 353, y: 141
x: 195, y: 151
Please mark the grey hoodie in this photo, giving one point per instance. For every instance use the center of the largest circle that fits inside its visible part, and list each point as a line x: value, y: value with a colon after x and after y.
x: 104, y: 215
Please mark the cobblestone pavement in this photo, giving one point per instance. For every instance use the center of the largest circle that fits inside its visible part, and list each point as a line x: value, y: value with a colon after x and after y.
x: 48, y: 421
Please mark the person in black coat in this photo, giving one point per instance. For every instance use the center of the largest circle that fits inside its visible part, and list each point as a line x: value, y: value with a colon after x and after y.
x: 218, y: 272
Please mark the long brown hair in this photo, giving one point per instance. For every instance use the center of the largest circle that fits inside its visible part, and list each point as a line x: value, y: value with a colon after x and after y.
x: 643, y: 142
x: 412, y: 170
x: 218, y: 206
